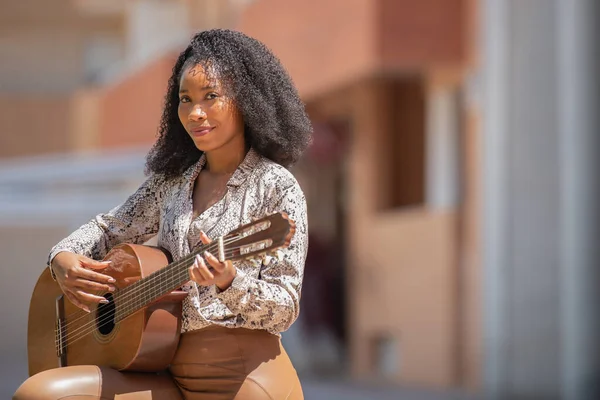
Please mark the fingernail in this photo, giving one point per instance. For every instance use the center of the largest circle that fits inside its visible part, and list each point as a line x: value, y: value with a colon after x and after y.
x: 112, y: 280
x: 207, y: 254
x: 112, y: 288
x: 86, y: 309
x: 104, y: 301
x: 106, y: 262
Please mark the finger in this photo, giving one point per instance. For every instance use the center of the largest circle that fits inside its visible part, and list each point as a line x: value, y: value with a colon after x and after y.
x: 214, y: 262
x: 195, y: 275
x: 203, y: 269
x: 76, y: 302
x: 93, y: 276
x: 132, y: 279
x: 204, y: 238
x: 93, y: 264
x: 89, y: 298
x: 91, y: 285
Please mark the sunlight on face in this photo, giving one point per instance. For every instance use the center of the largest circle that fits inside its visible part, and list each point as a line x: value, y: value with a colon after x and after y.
x: 205, y: 110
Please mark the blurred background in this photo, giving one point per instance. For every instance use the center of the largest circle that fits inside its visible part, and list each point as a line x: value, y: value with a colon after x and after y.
x: 453, y: 188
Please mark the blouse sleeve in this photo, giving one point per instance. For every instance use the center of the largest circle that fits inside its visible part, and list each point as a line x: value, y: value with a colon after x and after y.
x: 134, y: 221
x: 272, y: 302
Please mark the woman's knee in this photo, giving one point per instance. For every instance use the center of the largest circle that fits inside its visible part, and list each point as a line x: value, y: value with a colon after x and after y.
x: 253, y: 390
x: 75, y: 383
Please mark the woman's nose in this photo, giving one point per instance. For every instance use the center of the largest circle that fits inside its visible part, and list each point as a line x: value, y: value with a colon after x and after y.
x: 197, y: 113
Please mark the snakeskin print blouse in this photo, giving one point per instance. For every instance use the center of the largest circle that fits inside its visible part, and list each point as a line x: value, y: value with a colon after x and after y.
x: 265, y: 293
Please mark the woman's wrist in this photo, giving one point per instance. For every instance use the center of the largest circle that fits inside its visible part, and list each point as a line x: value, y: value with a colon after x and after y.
x: 50, y: 266
x: 224, y: 286
x: 52, y: 274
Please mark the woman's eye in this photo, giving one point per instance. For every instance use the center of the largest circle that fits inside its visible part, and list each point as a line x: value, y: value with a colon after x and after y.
x: 184, y: 99
x: 212, y: 96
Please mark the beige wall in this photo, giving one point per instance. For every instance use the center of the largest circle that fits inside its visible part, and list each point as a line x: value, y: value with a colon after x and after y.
x: 404, y: 288
x: 402, y: 277
x: 401, y: 264
x: 471, y: 291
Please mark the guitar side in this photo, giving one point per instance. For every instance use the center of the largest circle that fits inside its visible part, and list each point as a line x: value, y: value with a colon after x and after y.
x: 41, y: 350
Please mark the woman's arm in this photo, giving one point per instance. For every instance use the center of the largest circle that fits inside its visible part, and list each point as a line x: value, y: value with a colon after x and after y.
x: 272, y: 301
x: 134, y: 221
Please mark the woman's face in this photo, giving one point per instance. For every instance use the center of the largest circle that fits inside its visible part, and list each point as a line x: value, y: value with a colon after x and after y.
x: 209, y: 116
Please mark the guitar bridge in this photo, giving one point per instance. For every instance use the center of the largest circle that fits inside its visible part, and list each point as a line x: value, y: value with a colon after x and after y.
x: 60, y: 333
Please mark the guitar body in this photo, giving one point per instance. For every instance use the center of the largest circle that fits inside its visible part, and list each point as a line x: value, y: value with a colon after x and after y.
x: 143, y: 341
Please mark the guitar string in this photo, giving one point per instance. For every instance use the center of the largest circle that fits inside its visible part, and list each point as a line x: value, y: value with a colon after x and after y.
x: 77, y: 335
x: 77, y: 315
x: 173, y: 280
x: 227, y: 240
x: 149, y: 280
x: 126, y: 300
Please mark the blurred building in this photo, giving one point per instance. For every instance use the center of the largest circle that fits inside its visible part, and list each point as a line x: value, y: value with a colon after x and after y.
x: 383, y: 82
x: 450, y: 186
x: 389, y: 180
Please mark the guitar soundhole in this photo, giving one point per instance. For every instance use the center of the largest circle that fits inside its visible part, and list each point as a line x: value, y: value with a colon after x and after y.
x: 105, y: 320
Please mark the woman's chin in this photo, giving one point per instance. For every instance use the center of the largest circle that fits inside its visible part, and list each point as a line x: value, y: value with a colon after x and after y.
x: 201, y: 144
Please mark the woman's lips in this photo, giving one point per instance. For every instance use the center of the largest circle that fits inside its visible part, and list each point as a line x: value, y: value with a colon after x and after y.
x: 201, y: 130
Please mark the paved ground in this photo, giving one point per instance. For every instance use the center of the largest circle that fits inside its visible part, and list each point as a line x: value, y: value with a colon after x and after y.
x: 315, y: 390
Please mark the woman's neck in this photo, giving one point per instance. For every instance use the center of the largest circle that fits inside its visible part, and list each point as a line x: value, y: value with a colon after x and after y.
x: 226, y: 159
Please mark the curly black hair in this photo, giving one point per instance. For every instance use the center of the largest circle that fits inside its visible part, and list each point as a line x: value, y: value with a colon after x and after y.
x: 275, y: 121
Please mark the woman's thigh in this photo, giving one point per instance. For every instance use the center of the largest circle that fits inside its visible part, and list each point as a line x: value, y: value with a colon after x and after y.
x: 224, y: 364
x: 89, y: 382
x: 273, y: 378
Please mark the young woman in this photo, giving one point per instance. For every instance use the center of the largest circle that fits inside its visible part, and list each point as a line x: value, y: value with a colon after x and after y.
x: 231, y: 125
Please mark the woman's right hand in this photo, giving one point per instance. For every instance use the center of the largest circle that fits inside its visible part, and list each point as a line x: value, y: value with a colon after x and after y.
x: 76, y: 279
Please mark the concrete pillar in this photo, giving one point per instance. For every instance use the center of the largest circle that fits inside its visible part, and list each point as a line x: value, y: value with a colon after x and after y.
x: 522, y: 200
x: 494, y: 49
x: 443, y: 144
x: 579, y: 65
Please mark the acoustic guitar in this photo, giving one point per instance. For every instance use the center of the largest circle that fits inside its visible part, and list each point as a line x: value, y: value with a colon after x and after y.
x: 138, y: 329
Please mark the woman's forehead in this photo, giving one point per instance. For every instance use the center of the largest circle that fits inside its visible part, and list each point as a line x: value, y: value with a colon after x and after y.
x: 199, y: 74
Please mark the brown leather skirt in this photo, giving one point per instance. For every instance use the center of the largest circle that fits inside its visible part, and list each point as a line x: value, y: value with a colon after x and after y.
x: 213, y: 364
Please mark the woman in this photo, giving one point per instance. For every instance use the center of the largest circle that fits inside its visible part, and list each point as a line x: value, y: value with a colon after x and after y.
x: 231, y: 124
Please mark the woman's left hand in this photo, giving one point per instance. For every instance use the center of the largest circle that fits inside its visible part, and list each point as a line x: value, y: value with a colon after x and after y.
x: 221, y: 274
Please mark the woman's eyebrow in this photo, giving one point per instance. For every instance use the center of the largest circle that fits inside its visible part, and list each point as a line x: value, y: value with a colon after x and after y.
x: 208, y: 87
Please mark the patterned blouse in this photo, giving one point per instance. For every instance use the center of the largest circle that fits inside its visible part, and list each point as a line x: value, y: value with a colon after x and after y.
x: 265, y: 293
